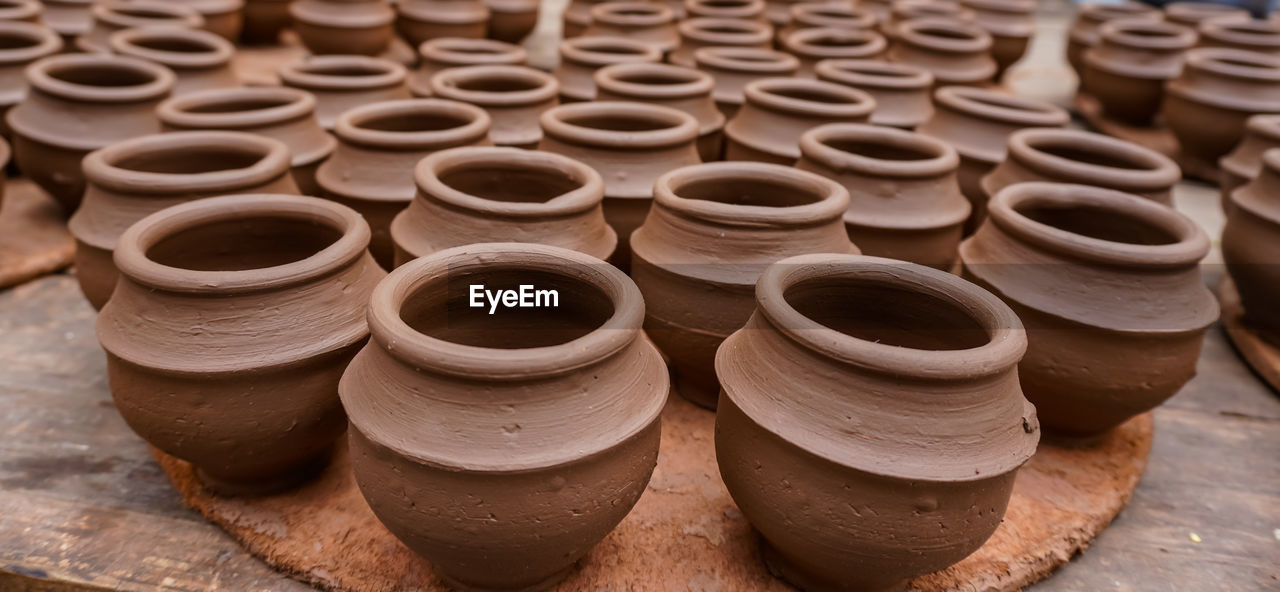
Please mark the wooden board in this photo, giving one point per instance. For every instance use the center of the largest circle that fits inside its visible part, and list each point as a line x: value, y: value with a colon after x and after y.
x: 34, y: 239
x: 1154, y: 137
x: 1260, y: 354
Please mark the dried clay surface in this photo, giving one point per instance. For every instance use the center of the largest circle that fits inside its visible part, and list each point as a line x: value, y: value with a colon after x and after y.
x: 33, y: 234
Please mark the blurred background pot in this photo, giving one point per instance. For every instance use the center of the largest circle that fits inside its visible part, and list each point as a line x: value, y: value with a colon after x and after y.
x: 1241, y: 165
x: 672, y: 86
x: 954, y: 52
x: 901, y: 91
x: 110, y: 16
x: 513, y: 96
x: 696, y: 33
x: 1251, y: 247
x: 1128, y: 68
x: 341, y: 82
x: 1207, y: 106
x: 582, y: 56
x: 779, y: 110
x: 422, y: 20
x: 1083, y: 33
x: 200, y: 59
x: 361, y: 27
x: 21, y: 44
x: 452, y: 52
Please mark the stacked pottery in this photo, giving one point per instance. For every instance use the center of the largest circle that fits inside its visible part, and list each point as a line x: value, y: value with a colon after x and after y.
x: 1100, y: 278
x: 362, y: 27
x: 649, y: 23
x: 421, y: 20
x: 27, y: 11
x: 808, y: 15
x: 1191, y: 14
x: 264, y: 19
x: 779, y: 110
x: 732, y: 68
x: 452, y: 52
x: 751, y: 10
x: 902, y: 92
x: 1084, y: 31
x: 224, y: 18
x: 1242, y: 164
x: 20, y: 45
x: 1127, y: 70
x: 813, y: 45
x: 200, y: 59
x: 954, y: 52
x: 514, y: 97
x: 129, y: 180
x: 697, y: 33
x: 1011, y: 23
x: 264, y: 300
x: 581, y: 57
x: 882, y: 399
x: 1235, y: 33
x: 512, y: 20
x: 1251, y: 247
x: 1207, y: 106
x: 116, y: 15
x: 68, y: 18
x: 680, y: 88
x: 341, y: 82
x: 712, y: 229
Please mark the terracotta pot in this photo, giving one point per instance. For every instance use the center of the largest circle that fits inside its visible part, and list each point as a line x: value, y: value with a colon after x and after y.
x: 1250, y: 244
x: 342, y: 82
x: 21, y: 10
x: 577, y: 16
x: 978, y: 123
x: 361, y: 27
x: 906, y: 10
x: 224, y: 18
x: 77, y: 104
x: 778, y: 12
x: 581, y: 57
x: 1242, y: 164
x: 901, y: 91
x: 779, y: 110
x: 264, y: 300
x: 512, y: 20
x: 827, y: 15
x: 452, y: 52
x: 1083, y: 33
x: 21, y: 44
x: 514, y: 97
x: 680, y: 88
x: 282, y: 113
x: 954, y: 52
x: 733, y: 68
x: 1207, y: 106
x: 264, y: 19
x: 1011, y: 24
x: 880, y: 397
x: 752, y: 10
x: 110, y: 16
x: 1191, y: 14
x: 1234, y: 33
x: 712, y: 229
x: 1127, y: 70
x: 69, y: 18
x: 378, y: 145
x: 483, y: 195
x: 421, y: 20
x: 200, y: 59
x: 816, y: 44
x: 630, y: 145
x: 904, y: 202
x: 129, y: 180
x: 647, y: 22
x: 560, y: 431
x: 697, y: 33
x: 1100, y: 278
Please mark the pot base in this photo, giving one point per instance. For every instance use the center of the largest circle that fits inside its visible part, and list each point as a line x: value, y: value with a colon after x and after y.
x: 1154, y: 137
x: 783, y: 568
x: 284, y: 481
x: 1259, y: 352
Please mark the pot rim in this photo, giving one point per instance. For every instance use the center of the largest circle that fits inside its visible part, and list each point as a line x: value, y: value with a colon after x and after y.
x: 218, y: 52
x: 427, y: 173
x: 917, y: 32
x: 175, y: 110
x: 46, y: 42
x: 1000, y: 107
x: 1253, y: 32
x: 944, y: 159
x: 20, y: 10
x: 762, y: 93
x: 1240, y: 63
x: 1126, y: 33
x: 1159, y: 172
x: 694, y: 82
x: 584, y: 50
x: 445, y: 85
x: 348, y: 125
x: 747, y: 33
x: 865, y: 43
x: 744, y: 9
x: 1200, y: 11
x: 738, y: 59
x: 830, y: 206
x: 454, y: 51
x: 176, y: 14
x: 874, y: 74
x: 101, y: 167
x: 829, y: 14
x: 39, y: 76
x: 308, y: 73
x: 681, y: 127
x: 624, y: 14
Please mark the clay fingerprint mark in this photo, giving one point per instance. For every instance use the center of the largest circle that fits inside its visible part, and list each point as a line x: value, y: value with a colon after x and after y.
x: 34, y: 240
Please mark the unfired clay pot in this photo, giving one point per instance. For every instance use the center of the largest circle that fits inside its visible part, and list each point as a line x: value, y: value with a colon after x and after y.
x: 361, y: 27
x: 902, y: 11
x: 902, y: 91
x: 752, y: 10
x: 1191, y: 14
x: 581, y: 57
x: 779, y: 110
x: 672, y: 86
x: 712, y: 229
x: 224, y: 18
x: 77, y: 104
x: 21, y: 43
x: 809, y: 15
x: 813, y: 45
x: 264, y: 19
x: 69, y: 18
x: 1242, y: 164
x: 200, y: 59
x: 421, y: 20
x: 1253, y: 35
x: 1083, y: 33
x: 1128, y: 68
x: 733, y: 68
x: 647, y: 22
x: 871, y: 425
x: 514, y: 97
x: 697, y: 33
x: 559, y: 434
x: 1251, y: 247
x: 512, y: 20
x: 576, y: 17
x: 342, y: 82
x: 904, y: 202
x: 129, y: 180
x: 27, y: 11
x: 263, y: 301
x: 1101, y: 279
x: 110, y: 16
x: 452, y: 52
x: 1011, y: 24
x: 954, y: 52
x: 1207, y: 106
x: 778, y: 12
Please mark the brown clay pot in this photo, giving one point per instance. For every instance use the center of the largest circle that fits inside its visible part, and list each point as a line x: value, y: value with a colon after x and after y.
x: 1011, y: 24
x: 27, y: 11
x: 1101, y: 279
x: 712, y: 229
x: 200, y: 59
x: 813, y: 45
x: 421, y: 20
x: 558, y: 437
x: 827, y: 15
x: 1251, y: 247
x: 880, y: 8
x: 733, y: 68
x: 977, y: 123
x: 778, y: 12
x: 904, y: 202
x: 21, y: 43
x: 282, y: 113
x: 1191, y: 14
x: 481, y: 194
x: 1083, y: 33
x: 264, y: 19
x: 647, y: 22
x: 512, y: 20
x: 906, y: 10
x: 752, y: 10
x: 344, y: 27
x: 901, y: 91
x: 514, y: 97
x: 69, y: 18
x: 342, y: 82
x: 110, y: 16
x: 630, y: 145
x: 1243, y: 164
x: 1207, y: 106
x: 699, y: 32
x: 264, y: 300
x: 1234, y: 33
x: 1127, y: 70
x: 672, y: 86
x: 577, y: 17
x: 779, y: 110
x: 224, y: 18
x: 954, y: 52
x: 129, y: 180
x: 581, y: 57
x: 880, y: 397
x: 452, y: 52
x: 77, y: 104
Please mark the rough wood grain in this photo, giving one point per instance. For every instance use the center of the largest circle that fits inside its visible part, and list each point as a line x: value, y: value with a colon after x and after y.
x: 1260, y: 354
x: 34, y: 240
x: 1154, y: 137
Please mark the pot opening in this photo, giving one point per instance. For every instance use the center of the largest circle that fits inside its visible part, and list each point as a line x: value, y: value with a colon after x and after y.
x: 473, y: 49
x: 101, y: 75
x: 724, y: 3
x: 881, y: 150
x: 835, y: 39
x: 1102, y: 158
x: 616, y: 49
x: 173, y: 44
x: 413, y: 122
x: 237, y: 106
x: 1244, y: 63
x: 498, y: 84
x: 192, y: 160
x: 945, y: 32
x: 811, y: 95
x: 634, y: 11
x: 15, y: 40
x: 141, y: 12
x: 1010, y: 103
x: 620, y: 122
x: 242, y: 244
x: 756, y: 58
x: 511, y: 183
x: 1098, y: 222
x: 831, y: 13
x: 1144, y: 31
x: 725, y: 29
x: 344, y: 70
x: 750, y: 192
x: 879, y: 69
x: 658, y: 78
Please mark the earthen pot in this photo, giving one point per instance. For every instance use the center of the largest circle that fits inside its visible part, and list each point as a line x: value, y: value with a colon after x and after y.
x: 1242, y: 164
x: 576, y: 17
x: 77, y: 104
x: 904, y: 202
x: 27, y: 11
x: 1011, y: 24
x: 286, y: 114
x: 751, y: 10
x: 712, y: 229
x: 954, y: 52
x: 1101, y: 279
x: 699, y: 32
x: 870, y: 405
x: 827, y: 15
x: 224, y: 18
x: 647, y: 22
x: 1251, y: 247
x: 131, y: 179
x: 672, y: 86
x: 902, y: 91
x: 778, y: 12
x: 480, y: 194
x: 977, y: 123
x: 733, y: 68
x: 69, y: 18
x: 880, y: 8
x: 906, y: 10
x: 421, y: 20
x: 813, y: 45
x: 630, y: 145
x: 1191, y: 14
x: 110, y: 16
x: 581, y: 57
x: 1127, y: 70
x: 559, y: 434
x: 264, y: 19
x: 263, y: 300
x: 779, y: 110
x: 1234, y: 33
x: 200, y: 59
x: 512, y: 20
x: 342, y: 82
x: 1207, y: 106
x: 21, y: 43
x: 360, y: 27
x: 452, y: 52
x: 1083, y: 33
x: 514, y: 97
x: 378, y: 145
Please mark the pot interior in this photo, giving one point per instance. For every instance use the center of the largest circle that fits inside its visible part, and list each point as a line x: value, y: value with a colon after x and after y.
x: 145, y: 13
x: 344, y: 70
x: 172, y: 44
x: 1101, y: 223
x: 16, y: 40
x: 191, y: 160
x: 619, y: 122
x: 1096, y: 157
x: 237, y: 105
x: 810, y: 94
x: 498, y: 83
x: 413, y: 122
x: 250, y: 242
x: 101, y: 75
x: 749, y: 192
x: 511, y: 183
x: 881, y: 150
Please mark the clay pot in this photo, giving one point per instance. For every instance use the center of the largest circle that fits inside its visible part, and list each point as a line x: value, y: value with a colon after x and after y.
x: 647, y: 22
x: 680, y: 88
x: 514, y: 97
x: 512, y: 20
x: 558, y: 437
x: 954, y: 52
x: 378, y: 145
x: 1127, y: 70
x: 1250, y: 244
x: 880, y: 397
x: 1234, y: 33
x: 712, y: 229
x: 342, y: 82
x: 816, y: 44
x: 1191, y: 14
x: 1207, y: 106
x: 826, y: 15
x: 906, y: 10
x: 880, y: 8
x: 452, y: 52
x: 200, y: 59
x: 1011, y: 23
x: 581, y: 57
x: 904, y: 202
x: 901, y: 91
x: 1242, y: 164
x: 779, y: 110
x: 1101, y: 279
x: 752, y: 10
x: 697, y: 33
x: 21, y: 11
x: 480, y: 194
x: 264, y: 300
x: 1083, y: 33
x: 129, y: 180
x: 778, y: 12
x: 361, y: 27
x: 576, y: 17
x: 69, y: 18
x: 21, y: 44
x: 733, y: 68
x: 630, y: 145
x: 224, y: 18
x: 282, y: 113
x: 264, y: 19
x: 977, y: 123
x: 77, y: 104
x: 421, y: 20
x: 110, y: 16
